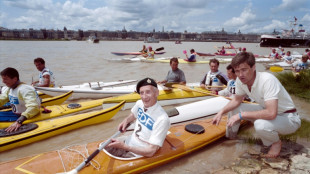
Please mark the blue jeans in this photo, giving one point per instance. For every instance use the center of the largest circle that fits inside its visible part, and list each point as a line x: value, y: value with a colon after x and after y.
x: 8, y: 116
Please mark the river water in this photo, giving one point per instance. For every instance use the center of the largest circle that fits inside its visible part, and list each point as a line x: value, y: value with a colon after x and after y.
x: 75, y: 62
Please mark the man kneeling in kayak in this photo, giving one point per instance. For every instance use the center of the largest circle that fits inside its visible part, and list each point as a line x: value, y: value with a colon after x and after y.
x: 151, y: 127
x: 23, y: 99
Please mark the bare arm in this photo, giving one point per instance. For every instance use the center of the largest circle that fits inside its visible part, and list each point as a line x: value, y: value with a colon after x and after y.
x: 269, y: 113
x: 234, y: 103
x: 130, y: 118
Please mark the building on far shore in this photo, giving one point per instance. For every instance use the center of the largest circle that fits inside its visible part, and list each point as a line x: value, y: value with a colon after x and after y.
x: 65, y: 34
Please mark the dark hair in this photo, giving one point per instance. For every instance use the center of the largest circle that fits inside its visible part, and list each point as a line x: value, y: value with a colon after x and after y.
x: 40, y: 60
x: 214, y: 61
x: 10, y: 72
x: 230, y: 67
x: 243, y: 57
x: 174, y: 59
x: 192, y: 50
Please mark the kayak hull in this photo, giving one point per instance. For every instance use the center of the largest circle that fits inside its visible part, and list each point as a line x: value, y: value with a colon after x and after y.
x: 49, y: 128
x: 93, y: 90
x: 178, y: 143
x: 134, y: 53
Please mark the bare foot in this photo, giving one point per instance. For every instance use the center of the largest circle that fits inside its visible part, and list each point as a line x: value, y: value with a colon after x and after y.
x: 274, y: 150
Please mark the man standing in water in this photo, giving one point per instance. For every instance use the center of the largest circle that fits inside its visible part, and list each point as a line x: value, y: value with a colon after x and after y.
x: 277, y: 113
x: 46, y: 77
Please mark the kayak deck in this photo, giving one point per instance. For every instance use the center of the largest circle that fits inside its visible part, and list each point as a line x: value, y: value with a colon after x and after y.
x: 178, y: 143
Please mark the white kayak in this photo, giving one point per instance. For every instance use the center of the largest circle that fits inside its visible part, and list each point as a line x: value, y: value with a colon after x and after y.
x: 282, y: 64
x: 201, y: 109
x: 92, y: 89
x: 140, y: 59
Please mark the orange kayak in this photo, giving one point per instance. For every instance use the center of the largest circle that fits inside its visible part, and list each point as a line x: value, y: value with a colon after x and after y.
x: 179, y: 142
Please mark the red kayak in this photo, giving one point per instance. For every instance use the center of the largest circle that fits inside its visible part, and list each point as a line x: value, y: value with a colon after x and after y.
x: 134, y: 53
x: 226, y: 54
x: 204, y: 54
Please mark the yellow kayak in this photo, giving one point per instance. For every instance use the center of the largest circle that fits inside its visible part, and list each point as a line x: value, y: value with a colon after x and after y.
x: 48, y: 128
x: 57, y: 100
x: 165, y: 97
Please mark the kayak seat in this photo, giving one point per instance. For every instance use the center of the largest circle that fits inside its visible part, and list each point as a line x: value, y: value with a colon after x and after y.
x: 172, y: 112
x: 195, y: 128
x: 73, y: 105
x: 24, y: 128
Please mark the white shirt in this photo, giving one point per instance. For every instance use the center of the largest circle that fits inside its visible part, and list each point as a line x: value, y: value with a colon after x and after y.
x: 266, y: 87
x: 151, y: 126
x: 230, y: 90
x: 44, y: 72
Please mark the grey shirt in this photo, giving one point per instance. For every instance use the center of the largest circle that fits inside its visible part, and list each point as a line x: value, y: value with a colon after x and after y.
x: 175, y: 76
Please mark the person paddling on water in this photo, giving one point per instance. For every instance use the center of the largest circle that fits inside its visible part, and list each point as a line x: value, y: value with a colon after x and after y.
x: 302, y: 64
x: 222, y: 51
x: 175, y: 75
x: 46, y: 77
x: 144, y: 50
x: 192, y: 57
x: 214, y: 77
x: 23, y: 98
x: 151, y: 125
x: 150, y: 54
x: 276, y: 113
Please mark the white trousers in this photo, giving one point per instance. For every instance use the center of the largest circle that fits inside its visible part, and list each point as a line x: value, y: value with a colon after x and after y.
x: 268, y: 130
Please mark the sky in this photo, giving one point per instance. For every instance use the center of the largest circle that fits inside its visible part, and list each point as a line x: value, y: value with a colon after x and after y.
x: 248, y: 16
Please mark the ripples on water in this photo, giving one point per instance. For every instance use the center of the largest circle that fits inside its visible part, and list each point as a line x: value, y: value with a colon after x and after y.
x: 75, y: 62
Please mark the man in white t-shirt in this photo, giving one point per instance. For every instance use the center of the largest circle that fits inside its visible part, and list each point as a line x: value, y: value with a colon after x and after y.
x: 277, y: 113
x: 151, y: 127
x: 46, y: 76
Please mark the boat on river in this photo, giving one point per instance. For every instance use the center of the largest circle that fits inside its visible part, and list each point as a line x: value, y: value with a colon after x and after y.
x: 181, y: 140
x: 92, y: 89
x: 166, y: 97
x: 57, y: 100
x: 151, y: 40
x: 134, y: 53
x: 294, y: 37
x: 29, y: 133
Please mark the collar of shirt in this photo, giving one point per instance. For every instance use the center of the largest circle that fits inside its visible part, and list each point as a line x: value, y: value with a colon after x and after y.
x: 150, y: 109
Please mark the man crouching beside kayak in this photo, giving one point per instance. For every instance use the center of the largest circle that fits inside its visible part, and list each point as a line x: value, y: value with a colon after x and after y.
x: 276, y: 114
x: 151, y: 127
x: 23, y: 98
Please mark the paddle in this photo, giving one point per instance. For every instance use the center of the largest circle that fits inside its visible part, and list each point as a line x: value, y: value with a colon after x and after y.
x: 88, y: 159
x: 160, y: 48
x: 276, y: 69
x: 186, y: 88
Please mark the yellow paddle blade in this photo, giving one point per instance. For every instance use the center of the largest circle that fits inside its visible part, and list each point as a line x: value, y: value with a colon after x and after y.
x: 276, y: 69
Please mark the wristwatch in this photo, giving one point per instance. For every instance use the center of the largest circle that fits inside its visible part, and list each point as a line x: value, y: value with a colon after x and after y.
x: 19, y: 121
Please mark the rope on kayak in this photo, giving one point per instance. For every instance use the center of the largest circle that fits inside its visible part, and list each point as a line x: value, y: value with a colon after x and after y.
x: 69, y: 153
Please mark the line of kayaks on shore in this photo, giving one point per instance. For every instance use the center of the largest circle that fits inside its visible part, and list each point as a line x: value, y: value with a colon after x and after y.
x: 179, y: 142
x: 46, y: 125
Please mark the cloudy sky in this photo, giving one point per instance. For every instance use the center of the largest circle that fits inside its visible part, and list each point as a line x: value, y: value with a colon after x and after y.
x: 145, y: 15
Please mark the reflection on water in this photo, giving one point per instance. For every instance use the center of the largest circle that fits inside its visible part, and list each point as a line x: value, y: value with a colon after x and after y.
x: 75, y: 62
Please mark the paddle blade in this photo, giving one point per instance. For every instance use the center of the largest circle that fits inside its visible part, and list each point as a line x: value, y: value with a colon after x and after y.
x: 159, y: 49
x: 276, y: 69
